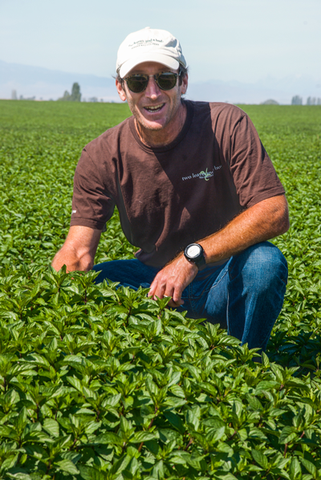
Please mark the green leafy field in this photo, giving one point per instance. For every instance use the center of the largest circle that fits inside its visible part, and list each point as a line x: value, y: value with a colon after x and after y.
x: 99, y: 383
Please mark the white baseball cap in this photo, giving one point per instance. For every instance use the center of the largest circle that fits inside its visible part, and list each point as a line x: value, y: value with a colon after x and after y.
x: 149, y: 45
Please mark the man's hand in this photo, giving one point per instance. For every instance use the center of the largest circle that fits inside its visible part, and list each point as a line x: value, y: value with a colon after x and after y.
x: 259, y: 223
x: 78, y: 251
x: 172, y: 280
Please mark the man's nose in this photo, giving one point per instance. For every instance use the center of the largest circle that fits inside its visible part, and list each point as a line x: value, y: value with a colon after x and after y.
x: 152, y: 89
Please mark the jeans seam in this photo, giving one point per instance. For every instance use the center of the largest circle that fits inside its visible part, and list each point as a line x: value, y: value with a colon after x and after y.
x: 206, y: 292
x: 190, y: 298
x: 217, y: 282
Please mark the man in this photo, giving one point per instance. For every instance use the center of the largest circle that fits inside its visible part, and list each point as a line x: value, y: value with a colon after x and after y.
x: 195, y: 190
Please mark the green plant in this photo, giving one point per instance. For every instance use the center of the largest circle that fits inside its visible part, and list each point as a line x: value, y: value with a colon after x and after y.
x: 103, y: 383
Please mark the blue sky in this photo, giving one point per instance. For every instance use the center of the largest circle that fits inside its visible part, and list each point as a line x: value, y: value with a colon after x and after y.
x: 242, y: 40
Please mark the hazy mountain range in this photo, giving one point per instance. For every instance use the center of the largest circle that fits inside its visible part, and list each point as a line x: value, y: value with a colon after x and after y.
x: 46, y: 84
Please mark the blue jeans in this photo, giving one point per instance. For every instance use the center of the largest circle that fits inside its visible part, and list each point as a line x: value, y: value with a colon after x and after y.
x: 245, y: 294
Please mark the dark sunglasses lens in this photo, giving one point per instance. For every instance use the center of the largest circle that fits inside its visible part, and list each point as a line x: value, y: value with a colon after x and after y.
x: 137, y: 83
x: 166, y: 81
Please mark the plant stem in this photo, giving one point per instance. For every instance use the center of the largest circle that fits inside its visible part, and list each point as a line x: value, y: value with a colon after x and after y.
x: 285, y: 449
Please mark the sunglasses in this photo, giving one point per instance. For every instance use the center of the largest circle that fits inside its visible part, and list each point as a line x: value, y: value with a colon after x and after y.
x: 138, y: 83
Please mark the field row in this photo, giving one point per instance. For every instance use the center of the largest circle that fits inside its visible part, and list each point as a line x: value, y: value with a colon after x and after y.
x: 99, y: 383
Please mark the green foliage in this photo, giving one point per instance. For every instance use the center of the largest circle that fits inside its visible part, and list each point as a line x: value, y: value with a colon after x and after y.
x: 75, y: 95
x: 103, y: 383
x: 270, y: 101
x: 297, y: 100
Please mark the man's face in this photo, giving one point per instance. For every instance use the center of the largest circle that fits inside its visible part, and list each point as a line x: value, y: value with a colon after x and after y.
x: 154, y: 109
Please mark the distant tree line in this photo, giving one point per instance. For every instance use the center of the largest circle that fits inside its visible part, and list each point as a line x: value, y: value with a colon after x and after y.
x: 313, y: 101
x: 270, y: 101
x: 94, y: 100
x: 14, y: 96
x: 297, y: 100
x: 74, y: 96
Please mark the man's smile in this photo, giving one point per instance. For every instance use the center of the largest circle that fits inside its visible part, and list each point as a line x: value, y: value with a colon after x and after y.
x: 154, y: 108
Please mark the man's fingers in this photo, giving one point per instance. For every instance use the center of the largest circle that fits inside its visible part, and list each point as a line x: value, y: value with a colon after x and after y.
x: 173, y: 304
x: 157, y: 290
x: 162, y: 289
x: 177, y: 295
x: 167, y: 291
x: 151, y: 291
x: 171, y: 281
x: 153, y: 287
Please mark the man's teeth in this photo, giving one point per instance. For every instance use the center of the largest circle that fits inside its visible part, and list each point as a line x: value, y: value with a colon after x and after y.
x: 153, y: 108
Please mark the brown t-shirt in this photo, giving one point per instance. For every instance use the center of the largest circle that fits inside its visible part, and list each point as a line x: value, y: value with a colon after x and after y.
x: 174, y: 195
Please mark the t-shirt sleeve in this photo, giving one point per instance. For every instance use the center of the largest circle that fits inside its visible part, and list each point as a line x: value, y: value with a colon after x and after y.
x: 253, y: 173
x: 92, y: 204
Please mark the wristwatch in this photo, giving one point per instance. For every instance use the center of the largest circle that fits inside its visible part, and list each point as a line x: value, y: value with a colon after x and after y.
x: 194, y: 253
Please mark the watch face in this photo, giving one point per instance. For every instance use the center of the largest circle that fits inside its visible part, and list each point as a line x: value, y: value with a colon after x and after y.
x: 193, y: 251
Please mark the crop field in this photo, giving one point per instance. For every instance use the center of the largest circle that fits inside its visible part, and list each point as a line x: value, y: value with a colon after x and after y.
x: 100, y: 383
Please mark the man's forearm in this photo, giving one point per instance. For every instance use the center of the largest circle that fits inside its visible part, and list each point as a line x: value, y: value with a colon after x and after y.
x: 72, y: 261
x: 79, y: 249
x: 259, y: 223
x: 263, y: 221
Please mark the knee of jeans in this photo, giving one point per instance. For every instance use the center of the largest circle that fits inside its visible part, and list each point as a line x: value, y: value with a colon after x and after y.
x: 264, y: 262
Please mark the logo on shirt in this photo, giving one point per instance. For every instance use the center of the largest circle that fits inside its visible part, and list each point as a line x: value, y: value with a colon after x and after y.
x: 203, y: 175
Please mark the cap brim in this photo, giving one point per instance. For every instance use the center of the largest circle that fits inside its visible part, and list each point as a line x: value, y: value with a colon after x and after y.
x: 148, y: 57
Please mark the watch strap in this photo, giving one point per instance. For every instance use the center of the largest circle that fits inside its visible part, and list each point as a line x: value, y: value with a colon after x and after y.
x: 199, y: 260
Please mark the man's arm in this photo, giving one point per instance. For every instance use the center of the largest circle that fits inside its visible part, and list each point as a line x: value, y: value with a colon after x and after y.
x: 78, y: 251
x: 265, y: 220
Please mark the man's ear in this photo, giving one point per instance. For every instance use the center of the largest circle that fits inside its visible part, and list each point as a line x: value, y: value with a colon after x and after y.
x: 184, y: 84
x: 121, y: 91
